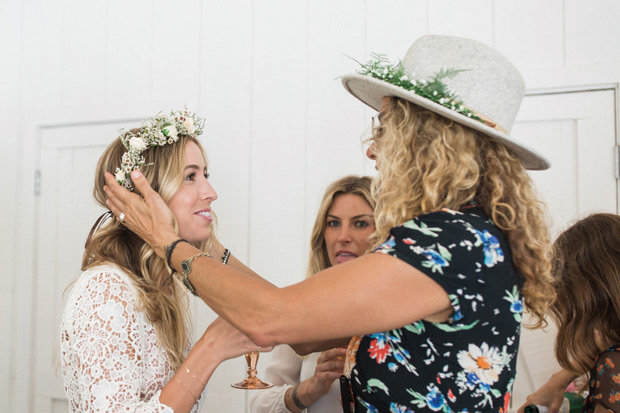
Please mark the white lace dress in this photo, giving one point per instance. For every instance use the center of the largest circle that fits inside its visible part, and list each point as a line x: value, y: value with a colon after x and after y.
x: 108, y: 349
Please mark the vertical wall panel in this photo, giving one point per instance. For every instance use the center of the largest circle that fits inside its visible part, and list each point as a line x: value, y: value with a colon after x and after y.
x: 42, y: 54
x: 278, y: 139
x: 10, y: 44
x: 176, y: 50
x: 83, y: 53
x: 129, y: 51
x: 592, y: 31
x: 393, y: 25
x: 225, y: 102
x: 530, y: 32
x: 472, y: 19
x: 336, y: 119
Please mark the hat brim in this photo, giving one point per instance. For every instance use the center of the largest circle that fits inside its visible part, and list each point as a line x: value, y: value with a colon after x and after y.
x: 371, y: 91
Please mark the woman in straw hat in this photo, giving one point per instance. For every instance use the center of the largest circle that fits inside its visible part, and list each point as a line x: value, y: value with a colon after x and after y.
x: 435, y: 311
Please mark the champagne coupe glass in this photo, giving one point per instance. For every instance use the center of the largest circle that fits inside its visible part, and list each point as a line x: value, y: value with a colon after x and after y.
x: 252, y: 382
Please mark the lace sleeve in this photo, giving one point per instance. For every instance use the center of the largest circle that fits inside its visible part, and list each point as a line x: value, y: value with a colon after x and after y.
x: 605, y: 381
x: 105, y: 347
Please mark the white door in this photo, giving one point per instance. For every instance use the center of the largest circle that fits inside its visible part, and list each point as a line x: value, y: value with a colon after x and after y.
x: 65, y: 212
x: 576, y: 131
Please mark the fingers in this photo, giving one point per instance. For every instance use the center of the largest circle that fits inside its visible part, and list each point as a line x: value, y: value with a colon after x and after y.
x: 331, y: 354
x: 142, y: 185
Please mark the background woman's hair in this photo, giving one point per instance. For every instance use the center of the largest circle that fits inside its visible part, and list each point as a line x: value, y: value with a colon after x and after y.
x: 352, y: 184
x: 586, y: 266
x: 115, y: 244
x: 427, y: 162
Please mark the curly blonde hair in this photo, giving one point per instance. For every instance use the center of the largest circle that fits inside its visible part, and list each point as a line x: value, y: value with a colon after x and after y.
x: 586, y: 267
x: 115, y: 244
x: 351, y: 184
x: 427, y: 162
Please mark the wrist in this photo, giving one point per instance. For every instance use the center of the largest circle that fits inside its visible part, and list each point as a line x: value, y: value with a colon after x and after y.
x: 165, y: 240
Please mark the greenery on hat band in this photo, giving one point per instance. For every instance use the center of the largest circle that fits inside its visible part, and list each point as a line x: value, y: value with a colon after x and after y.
x: 158, y: 131
x: 433, y: 89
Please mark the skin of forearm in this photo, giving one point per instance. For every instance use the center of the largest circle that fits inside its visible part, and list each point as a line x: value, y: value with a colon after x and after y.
x: 303, y: 349
x: 230, y: 293
x: 182, y: 389
x: 303, y: 394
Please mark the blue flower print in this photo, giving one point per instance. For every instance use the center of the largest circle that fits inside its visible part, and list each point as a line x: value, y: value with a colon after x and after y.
x: 492, y: 251
x: 435, y: 260
x: 516, y: 303
x: 392, y: 366
x: 397, y: 408
x: 434, y: 400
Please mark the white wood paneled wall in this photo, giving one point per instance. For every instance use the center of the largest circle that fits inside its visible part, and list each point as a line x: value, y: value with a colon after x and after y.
x: 263, y: 73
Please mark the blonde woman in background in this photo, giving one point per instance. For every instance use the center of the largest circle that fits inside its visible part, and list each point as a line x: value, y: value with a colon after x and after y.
x: 341, y: 232
x: 124, y: 339
x: 461, y: 243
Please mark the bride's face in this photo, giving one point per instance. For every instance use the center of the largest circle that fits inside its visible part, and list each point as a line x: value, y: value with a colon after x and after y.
x: 191, y: 205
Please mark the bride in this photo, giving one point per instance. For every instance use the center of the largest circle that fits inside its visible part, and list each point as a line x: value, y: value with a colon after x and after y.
x: 124, y: 338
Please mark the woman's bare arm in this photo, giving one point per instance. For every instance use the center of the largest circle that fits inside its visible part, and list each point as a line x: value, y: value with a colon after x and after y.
x: 373, y: 293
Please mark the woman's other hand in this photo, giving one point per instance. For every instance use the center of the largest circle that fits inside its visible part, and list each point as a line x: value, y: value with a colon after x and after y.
x: 551, y: 394
x: 329, y: 367
x: 147, y: 216
x: 226, y: 342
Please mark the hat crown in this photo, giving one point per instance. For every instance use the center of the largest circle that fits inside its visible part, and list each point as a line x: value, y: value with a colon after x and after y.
x: 488, y: 84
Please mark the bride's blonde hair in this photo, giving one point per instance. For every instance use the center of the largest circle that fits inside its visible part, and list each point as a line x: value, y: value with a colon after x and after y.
x: 427, y: 162
x: 113, y: 243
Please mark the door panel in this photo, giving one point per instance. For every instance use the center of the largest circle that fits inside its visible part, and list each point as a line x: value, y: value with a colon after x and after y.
x: 576, y: 131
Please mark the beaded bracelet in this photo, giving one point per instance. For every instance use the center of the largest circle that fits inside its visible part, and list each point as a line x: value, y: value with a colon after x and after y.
x: 226, y: 256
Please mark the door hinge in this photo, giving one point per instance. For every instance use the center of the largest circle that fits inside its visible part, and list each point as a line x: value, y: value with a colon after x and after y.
x: 37, y: 182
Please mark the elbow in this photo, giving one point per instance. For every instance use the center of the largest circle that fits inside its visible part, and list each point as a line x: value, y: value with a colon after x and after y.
x: 302, y: 349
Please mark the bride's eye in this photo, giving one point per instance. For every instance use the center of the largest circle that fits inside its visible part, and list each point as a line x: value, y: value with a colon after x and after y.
x: 191, y: 176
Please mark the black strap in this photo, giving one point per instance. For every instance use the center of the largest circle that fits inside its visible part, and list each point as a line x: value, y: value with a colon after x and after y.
x: 169, y: 250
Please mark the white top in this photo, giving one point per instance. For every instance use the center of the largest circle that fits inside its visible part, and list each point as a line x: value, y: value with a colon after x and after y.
x: 108, y: 349
x: 285, y: 370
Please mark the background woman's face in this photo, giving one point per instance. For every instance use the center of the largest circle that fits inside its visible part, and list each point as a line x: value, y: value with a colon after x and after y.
x: 191, y: 205
x: 350, y: 223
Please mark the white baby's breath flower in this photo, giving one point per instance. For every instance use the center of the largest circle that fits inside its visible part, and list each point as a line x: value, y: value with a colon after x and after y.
x: 120, y: 175
x: 170, y: 131
x: 137, y: 144
x: 404, y: 77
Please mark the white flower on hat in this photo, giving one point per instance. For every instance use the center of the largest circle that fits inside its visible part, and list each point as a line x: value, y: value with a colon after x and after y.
x: 170, y: 131
x: 120, y: 175
x: 137, y: 144
x: 188, y: 124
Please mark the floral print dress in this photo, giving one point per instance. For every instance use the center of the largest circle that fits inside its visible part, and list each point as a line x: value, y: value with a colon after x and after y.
x: 466, y: 364
x: 605, y: 382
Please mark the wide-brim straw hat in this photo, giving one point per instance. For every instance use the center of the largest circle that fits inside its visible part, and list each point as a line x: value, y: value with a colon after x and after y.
x: 487, y: 84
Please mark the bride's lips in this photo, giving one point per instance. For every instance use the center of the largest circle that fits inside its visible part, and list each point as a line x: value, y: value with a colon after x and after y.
x: 205, y: 214
x: 344, y: 256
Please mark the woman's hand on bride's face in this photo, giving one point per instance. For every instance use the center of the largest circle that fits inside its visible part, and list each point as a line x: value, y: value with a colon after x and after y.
x: 147, y: 216
x: 226, y: 341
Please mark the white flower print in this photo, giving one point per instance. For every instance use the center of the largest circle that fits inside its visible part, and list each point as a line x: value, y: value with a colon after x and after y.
x: 486, y: 362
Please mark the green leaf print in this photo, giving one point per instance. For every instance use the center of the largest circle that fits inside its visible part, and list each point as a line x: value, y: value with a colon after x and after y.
x: 444, y: 252
x: 450, y: 329
x: 378, y: 384
x: 415, y: 328
x: 423, y: 228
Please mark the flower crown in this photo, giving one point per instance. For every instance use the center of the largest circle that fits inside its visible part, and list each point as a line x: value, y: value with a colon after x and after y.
x: 158, y: 131
x: 433, y: 89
